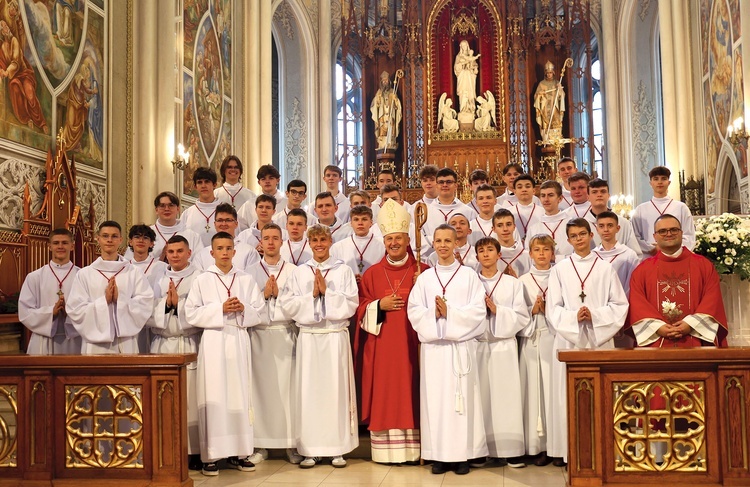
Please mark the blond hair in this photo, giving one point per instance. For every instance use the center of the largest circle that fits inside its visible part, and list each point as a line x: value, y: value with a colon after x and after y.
x: 542, y: 239
x: 318, y: 230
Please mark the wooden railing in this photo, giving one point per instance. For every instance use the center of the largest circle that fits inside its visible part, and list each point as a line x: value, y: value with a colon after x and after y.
x: 658, y: 416
x: 88, y: 420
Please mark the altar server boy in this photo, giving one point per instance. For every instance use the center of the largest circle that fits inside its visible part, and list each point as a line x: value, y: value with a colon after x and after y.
x: 447, y: 310
x: 296, y: 250
x: 170, y: 331
x: 361, y: 249
x: 497, y: 356
x: 273, y: 343
x: 514, y: 259
x: 110, y: 300
x: 586, y: 306
x: 224, y: 302
x: 321, y: 297
x: 41, y: 304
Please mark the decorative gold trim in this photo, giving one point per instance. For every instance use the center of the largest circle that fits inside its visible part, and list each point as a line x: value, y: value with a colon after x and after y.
x: 732, y: 383
x: 160, y: 417
x: 9, y: 432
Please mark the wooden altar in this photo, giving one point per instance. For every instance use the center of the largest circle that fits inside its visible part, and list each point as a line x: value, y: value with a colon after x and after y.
x: 658, y: 416
x: 113, y: 420
x: 26, y: 251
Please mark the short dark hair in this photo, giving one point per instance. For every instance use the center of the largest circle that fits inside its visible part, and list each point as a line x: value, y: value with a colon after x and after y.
x: 485, y: 241
x: 389, y: 188
x: 444, y: 226
x: 579, y: 176
x: 223, y: 235
x: 267, y: 170
x: 486, y: 187
x: 361, y: 210
x: 446, y: 171
x: 660, y: 171
x: 478, y: 175
x: 271, y: 226
x: 502, y: 213
x: 598, y: 183
x: 524, y: 177
x: 111, y: 224
x: 206, y: 173
x: 225, y: 163
x: 552, y: 184
x: 577, y: 222
x: 334, y: 168
x: 608, y: 214
x: 226, y: 208
x: 178, y: 239
x: 296, y: 183
x: 428, y: 171
x: 387, y: 171
x: 664, y: 217
x: 512, y: 165
x: 61, y: 231
x: 264, y: 198
x: 168, y: 194
x: 297, y: 212
x: 565, y: 159
x: 323, y: 195
x: 142, y: 230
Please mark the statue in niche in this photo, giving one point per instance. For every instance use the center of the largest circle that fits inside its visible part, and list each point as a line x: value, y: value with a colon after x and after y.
x: 386, y: 113
x: 485, y: 113
x: 549, y: 102
x: 466, y: 69
x: 446, y: 114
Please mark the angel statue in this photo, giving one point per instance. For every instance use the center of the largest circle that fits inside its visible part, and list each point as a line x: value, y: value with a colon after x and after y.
x: 485, y: 113
x: 446, y: 114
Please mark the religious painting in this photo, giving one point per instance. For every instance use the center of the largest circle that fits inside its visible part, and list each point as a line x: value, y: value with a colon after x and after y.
x: 738, y: 108
x: 720, y: 63
x: 705, y: 14
x: 207, y: 81
x: 712, y: 148
x: 734, y: 9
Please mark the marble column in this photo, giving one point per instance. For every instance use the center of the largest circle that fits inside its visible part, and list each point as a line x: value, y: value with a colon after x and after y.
x: 325, y: 97
x: 620, y: 174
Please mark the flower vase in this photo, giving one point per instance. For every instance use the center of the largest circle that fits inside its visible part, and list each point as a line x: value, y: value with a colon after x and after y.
x: 736, y: 296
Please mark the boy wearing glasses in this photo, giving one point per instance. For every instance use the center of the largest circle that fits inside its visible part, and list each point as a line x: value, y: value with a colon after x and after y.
x: 296, y: 192
x: 167, y: 207
x: 660, y: 204
x: 675, y: 296
x: 586, y: 306
x: 244, y: 255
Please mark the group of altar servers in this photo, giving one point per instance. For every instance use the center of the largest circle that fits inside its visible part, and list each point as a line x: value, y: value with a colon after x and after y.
x: 268, y: 292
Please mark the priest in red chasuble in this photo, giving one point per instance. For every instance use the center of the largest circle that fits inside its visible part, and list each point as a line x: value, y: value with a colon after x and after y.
x: 389, y: 356
x: 675, y: 300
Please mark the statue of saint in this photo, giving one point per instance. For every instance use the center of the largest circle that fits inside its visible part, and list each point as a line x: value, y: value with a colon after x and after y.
x: 446, y: 114
x: 386, y: 113
x: 466, y: 69
x: 549, y: 102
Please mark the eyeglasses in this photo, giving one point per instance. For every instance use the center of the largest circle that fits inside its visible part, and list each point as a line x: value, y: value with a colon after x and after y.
x: 666, y: 231
x: 576, y: 236
x: 225, y: 220
x: 166, y: 206
x: 446, y: 182
x: 294, y: 192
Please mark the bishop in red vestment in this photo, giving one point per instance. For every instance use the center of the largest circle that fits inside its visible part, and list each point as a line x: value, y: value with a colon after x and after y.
x: 389, y: 356
x: 675, y: 299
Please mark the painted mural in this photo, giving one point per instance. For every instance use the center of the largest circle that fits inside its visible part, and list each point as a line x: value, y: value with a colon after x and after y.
x: 722, y: 79
x: 52, y: 76
x: 207, y: 83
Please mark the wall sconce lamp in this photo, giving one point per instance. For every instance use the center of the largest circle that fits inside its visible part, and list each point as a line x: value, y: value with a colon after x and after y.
x: 180, y: 160
x: 737, y: 133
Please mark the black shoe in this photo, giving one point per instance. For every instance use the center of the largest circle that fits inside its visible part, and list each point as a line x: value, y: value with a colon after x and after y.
x: 241, y: 464
x: 542, y: 459
x: 439, y: 468
x: 210, y: 469
x: 559, y: 462
x: 462, y: 468
x: 479, y: 462
x: 194, y: 462
x: 502, y: 462
x: 516, y: 462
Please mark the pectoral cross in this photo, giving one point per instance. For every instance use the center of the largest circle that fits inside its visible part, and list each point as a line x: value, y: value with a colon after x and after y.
x: 207, y: 228
x: 582, y: 296
x: 60, y: 292
x: 445, y: 300
x: 360, y: 266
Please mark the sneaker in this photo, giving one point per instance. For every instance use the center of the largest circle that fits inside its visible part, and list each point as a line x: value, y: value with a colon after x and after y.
x: 241, y: 464
x: 439, y: 468
x: 479, y: 462
x: 259, y: 455
x: 338, y: 462
x: 210, y: 469
x: 294, y: 457
x: 194, y: 462
x: 501, y: 462
x: 309, y: 462
x: 516, y: 462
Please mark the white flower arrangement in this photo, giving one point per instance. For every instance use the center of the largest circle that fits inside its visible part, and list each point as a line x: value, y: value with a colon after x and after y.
x: 724, y: 240
x: 670, y: 310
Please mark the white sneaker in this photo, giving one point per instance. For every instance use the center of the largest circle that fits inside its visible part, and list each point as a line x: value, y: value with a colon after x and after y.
x: 309, y: 462
x: 259, y: 455
x: 294, y: 457
x: 338, y: 462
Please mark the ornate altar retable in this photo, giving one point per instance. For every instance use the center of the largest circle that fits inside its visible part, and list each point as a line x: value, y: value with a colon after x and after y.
x: 658, y: 416
x: 115, y: 420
